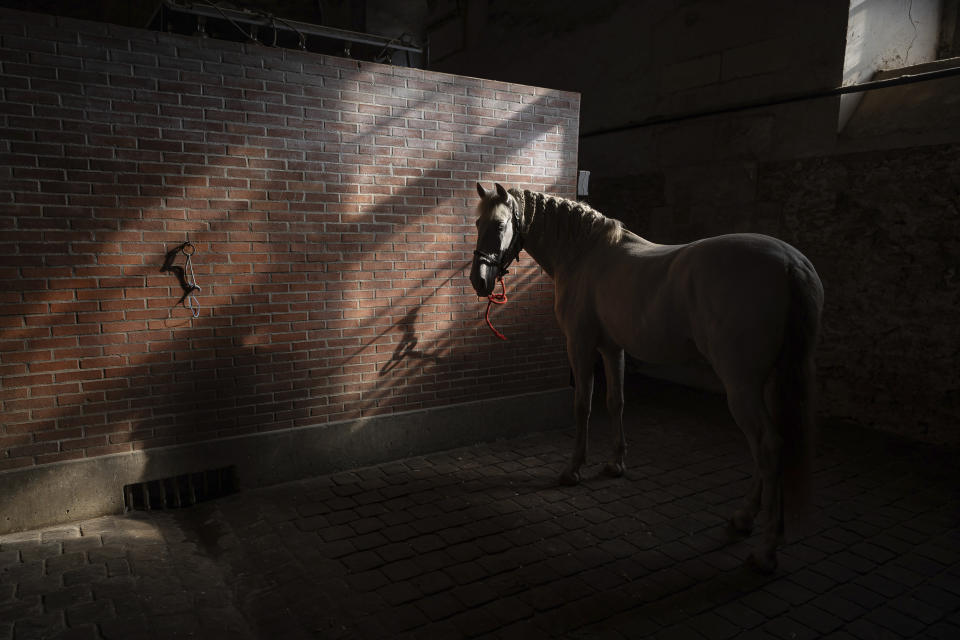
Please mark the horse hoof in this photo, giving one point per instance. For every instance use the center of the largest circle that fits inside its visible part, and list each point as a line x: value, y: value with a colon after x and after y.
x: 762, y: 563
x: 570, y: 478
x: 740, y: 525
x: 613, y: 469
x: 734, y: 534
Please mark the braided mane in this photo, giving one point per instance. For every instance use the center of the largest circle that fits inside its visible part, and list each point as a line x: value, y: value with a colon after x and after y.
x: 569, y: 220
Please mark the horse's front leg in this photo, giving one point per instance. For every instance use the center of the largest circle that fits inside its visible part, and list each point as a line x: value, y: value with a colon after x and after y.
x: 581, y: 361
x: 613, y: 370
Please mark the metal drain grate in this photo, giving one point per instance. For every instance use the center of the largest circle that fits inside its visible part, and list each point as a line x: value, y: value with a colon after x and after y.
x: 180, y: 491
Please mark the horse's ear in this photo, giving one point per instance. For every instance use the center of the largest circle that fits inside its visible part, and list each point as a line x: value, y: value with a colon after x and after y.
x: 482, y: 192
x: 501, y: 192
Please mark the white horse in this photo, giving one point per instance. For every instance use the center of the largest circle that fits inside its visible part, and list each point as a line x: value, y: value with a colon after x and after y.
x: 750, y: 304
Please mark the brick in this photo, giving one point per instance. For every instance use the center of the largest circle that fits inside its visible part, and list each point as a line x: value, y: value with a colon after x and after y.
x: 157, y: 124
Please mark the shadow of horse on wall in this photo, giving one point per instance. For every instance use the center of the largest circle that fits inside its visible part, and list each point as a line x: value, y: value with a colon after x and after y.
x: 407, y: 347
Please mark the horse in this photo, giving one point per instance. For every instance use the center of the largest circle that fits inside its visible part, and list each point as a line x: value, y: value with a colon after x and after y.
x: 749, y: 304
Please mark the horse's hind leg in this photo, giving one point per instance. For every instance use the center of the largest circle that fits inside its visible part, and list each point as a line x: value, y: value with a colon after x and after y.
x: 749, y: 410
x: 613, y: 370
x: 581, y: 361
x: 743, y: 405
x: 764, y: 558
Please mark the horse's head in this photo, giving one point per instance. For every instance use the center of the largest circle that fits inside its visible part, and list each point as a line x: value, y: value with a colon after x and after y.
x: 499, y: 239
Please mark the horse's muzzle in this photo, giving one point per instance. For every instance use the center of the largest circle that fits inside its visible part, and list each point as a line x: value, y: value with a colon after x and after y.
x: 483, y: 277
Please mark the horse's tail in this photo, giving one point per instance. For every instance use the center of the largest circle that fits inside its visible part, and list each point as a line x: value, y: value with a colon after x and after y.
x: 795, y: 392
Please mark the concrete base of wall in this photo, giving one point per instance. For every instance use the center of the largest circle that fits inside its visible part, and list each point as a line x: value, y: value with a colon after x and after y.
x: 81, y: 489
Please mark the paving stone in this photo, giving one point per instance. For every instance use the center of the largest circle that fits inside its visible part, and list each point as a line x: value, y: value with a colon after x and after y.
x: 510, y: 609
x: 765, y: 603
x: 835, y: 572
x: 402, y: 618
x: 789, y: 591
x: 714, y: 627
x: 838, y: 606
x: 39, y: 627
x: 864, y: 629
x: 439, y: 606
x: 895, y: 621
x: 466, y: 572
x: 85, y: 632
x: 362, y: 561
x: 790, y: 629
x: 884, y: 586
x: 816, y: 618
x: 527, y: 630
x: 368, y: 541
x: 482, y: 542
x: 603, y: 578
x: 9, y: 557
x: 839, y: 635
x: 367, y: 580
x: 13, y: 610
x: 106, y: 552
x: 90, y: 613
x: 875, y: 553
x: 679, y: 632
x: 66, y: 597
x: 861, y: 595
x: 740, y: 615
x: 474, y: 595
x: 942, y: 631
x: 33, y: 552
x: 474, y: 623
x: 84, y: 575
x: 937, y: 598
x: 60, y: 534
x: 433, y: 582
x: 947, y: 583
x: 61, y: 563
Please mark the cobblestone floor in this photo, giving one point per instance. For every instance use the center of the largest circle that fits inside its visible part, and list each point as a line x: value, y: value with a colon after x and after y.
x: 481, y: 541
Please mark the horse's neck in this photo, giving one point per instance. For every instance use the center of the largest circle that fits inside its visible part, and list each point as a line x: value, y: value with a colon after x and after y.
x: 537, y: 238
x: 547, y: 238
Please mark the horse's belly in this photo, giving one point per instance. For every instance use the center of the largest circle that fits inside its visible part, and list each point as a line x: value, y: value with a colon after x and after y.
x: 659, y: 345
x: 647, y: 319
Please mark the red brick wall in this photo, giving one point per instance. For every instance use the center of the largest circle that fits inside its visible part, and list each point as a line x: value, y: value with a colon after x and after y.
x: 331, y: 203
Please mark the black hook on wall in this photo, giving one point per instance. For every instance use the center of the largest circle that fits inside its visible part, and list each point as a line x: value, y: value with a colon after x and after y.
x: 187, y: 249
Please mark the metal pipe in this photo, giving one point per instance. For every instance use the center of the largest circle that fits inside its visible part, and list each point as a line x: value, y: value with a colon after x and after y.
x: 770, y: 102
x: 331, y: 33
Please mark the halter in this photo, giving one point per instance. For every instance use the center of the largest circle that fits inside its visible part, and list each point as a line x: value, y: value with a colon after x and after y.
x: 503, y: 259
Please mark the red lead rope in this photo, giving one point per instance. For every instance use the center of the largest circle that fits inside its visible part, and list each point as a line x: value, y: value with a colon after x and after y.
x: 496, y: 298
